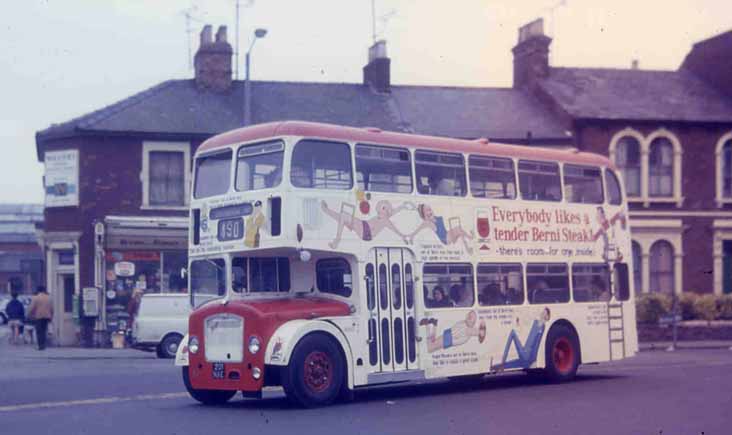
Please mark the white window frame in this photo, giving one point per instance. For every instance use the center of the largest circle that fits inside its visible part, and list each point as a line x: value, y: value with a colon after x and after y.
x: 719, y: 196
x: 722, y: 232
x: 147, y: 148
x: 645, y: 145
x: 646, y: 232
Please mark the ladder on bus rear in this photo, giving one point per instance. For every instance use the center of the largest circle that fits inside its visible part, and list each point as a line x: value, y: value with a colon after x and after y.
x: 615, y: 332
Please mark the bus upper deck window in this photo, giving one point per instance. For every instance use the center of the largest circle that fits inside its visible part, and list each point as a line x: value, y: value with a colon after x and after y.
x: 440, y: 173
x: 614, y: 196
x: 320, y: 164
x: 492, y: 177
x: 259, y: 166
x: 583, y: 184
x: 212, y: 174
x: 383, y: 169
x: 539, y: 181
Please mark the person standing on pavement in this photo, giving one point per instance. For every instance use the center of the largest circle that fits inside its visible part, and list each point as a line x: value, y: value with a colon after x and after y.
x: 41, y: 312
x: 16, y: 316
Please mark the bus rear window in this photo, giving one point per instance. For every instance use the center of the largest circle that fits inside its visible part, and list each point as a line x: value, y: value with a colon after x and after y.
x: 259, y: 166
x: 492, y: 177
x: 382, y: 169
x: 213, y: 173
x: 321, y: 165
x: 440, y: 173
x: 583, y: 184
x: 539, y: 181
x: 334, y: 276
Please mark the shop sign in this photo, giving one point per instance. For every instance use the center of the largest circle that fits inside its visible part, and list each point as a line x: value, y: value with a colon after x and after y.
x: 144, y: 241
x: 124, y: 268
x: 61, y: 178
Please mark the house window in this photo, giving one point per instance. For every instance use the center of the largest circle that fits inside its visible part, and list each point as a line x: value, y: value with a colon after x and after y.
x: 662, y: 267
x: 637, y: 266
x: 165, y: 177
x: 628, y: 161
x: 661, y: 168
x: 724, y: 170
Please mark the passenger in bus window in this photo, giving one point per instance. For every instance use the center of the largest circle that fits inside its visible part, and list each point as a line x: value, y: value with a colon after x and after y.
x: 598, y: 290
x: 438, y: 300
x: 540, y: 289
x: 437, y: 224
x: 460, y: 296
x: 366, y: 230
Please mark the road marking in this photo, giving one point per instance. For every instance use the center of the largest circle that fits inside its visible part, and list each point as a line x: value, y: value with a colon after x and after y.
x: 99, y: 401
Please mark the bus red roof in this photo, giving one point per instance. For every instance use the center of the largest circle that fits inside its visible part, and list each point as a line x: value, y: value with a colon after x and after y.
x: 376, y: 136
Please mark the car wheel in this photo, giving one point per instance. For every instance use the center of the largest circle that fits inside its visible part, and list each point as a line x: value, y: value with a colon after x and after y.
x: 315, y: 374
x: 562, y: 354
x: 207, y: 397
x: 169, y: 346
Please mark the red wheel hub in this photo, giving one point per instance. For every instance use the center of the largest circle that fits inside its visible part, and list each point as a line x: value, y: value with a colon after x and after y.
x: 563, y: 355
x: 318, y: 371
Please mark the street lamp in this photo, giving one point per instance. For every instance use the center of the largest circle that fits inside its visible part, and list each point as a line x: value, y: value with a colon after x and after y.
x: 258, y: 33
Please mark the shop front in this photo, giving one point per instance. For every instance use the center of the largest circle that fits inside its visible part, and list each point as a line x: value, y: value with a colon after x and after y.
x: 137, y: 256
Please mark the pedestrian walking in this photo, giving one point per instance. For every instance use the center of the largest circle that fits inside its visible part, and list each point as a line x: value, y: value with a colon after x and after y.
x: 41, y: 312
x: 16, y: 316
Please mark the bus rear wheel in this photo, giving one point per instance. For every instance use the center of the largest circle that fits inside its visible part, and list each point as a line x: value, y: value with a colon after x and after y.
x: 562, y: 354
x: 314, y: 377
x: 207, y: 397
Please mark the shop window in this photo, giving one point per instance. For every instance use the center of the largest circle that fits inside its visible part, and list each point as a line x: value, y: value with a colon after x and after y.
x: 500, y: 284
x: 547, y: 283
x: 383, y: 169
x: 637, y: 267
x: 448, y: 285
x: 614, y: 194
x: 539, y: 181
x: 662, y: 267
x: 583, y: 184
x: 628, y: 161
x: 333, y: 276
x: 440, y: 173
x: 492, y: 177
x: 165, y: 174
x: 321, y: 165
x: 661, y: 168
x: 590, y: 282
x: 259, y: 166
x: 213, y: 174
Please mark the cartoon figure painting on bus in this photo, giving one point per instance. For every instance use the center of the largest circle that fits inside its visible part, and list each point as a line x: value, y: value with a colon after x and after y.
x: 447, y: 236
x: 527, y: 350
x: 366, y: 229
x: 254, y: 222
x: 456, y: 335
x: 607, y: 233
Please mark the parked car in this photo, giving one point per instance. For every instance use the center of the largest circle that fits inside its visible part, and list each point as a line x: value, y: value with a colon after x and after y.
x: 25, y: 299
x: 161, y: 322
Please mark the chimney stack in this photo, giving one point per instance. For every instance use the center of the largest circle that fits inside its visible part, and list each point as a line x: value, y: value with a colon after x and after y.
x: 213, y: 61
x: 376, y: 73
x: 531, y: 54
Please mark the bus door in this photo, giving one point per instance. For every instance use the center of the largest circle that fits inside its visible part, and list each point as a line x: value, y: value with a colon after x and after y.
x: 392, y: 324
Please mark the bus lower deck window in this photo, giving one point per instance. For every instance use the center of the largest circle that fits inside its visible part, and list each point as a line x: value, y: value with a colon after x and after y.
x: 547, y: 283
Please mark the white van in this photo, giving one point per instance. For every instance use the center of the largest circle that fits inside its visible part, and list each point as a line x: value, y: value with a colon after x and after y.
x: 161, y: 322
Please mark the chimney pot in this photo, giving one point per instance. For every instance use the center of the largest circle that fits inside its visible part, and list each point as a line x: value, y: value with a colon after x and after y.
x: 221, y: 34
x: 377, y: 72
x: 206, y: 35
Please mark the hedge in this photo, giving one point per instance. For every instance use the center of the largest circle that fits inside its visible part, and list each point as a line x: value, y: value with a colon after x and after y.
x: 650, y: 307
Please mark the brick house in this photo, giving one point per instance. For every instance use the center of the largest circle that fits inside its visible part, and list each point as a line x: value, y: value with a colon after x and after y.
x: 121, y: 193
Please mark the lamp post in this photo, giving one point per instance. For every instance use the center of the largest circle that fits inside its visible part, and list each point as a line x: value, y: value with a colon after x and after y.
x: 258, y: 33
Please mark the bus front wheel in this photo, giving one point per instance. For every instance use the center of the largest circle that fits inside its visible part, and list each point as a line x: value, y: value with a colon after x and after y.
x: 562, y: 354
x: 315, y: 374
x: 207, y: 397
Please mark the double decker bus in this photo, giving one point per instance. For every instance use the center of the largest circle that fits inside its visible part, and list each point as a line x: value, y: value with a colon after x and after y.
x: 327, y: 258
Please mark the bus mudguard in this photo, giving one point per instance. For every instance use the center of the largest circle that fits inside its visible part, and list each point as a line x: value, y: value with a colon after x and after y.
x: 181, y: 355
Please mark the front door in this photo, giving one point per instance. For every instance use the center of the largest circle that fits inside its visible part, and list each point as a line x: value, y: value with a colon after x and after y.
x: 64, y: 329
x: 391, y: 325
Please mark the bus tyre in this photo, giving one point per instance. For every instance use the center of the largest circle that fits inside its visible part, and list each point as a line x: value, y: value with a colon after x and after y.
x: 562, y: 354
x: 314, y: 377
x: 207, y: 397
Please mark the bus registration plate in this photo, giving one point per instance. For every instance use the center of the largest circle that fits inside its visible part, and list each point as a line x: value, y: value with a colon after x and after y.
x: 217, y: 372
x: 231, y: 229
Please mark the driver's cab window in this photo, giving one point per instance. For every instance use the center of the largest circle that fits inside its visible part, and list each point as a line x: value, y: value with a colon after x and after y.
x: 260, y: 274
x: 333, y: 275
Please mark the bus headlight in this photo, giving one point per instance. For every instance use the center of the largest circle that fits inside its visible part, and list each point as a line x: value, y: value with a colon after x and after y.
x: 193, y: 345
x: 254, y: 345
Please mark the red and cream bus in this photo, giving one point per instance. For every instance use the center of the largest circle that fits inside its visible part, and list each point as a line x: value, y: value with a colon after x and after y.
x: 327, y: 258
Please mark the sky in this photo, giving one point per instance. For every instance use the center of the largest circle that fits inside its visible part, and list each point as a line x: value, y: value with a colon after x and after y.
x: 63, y: 58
